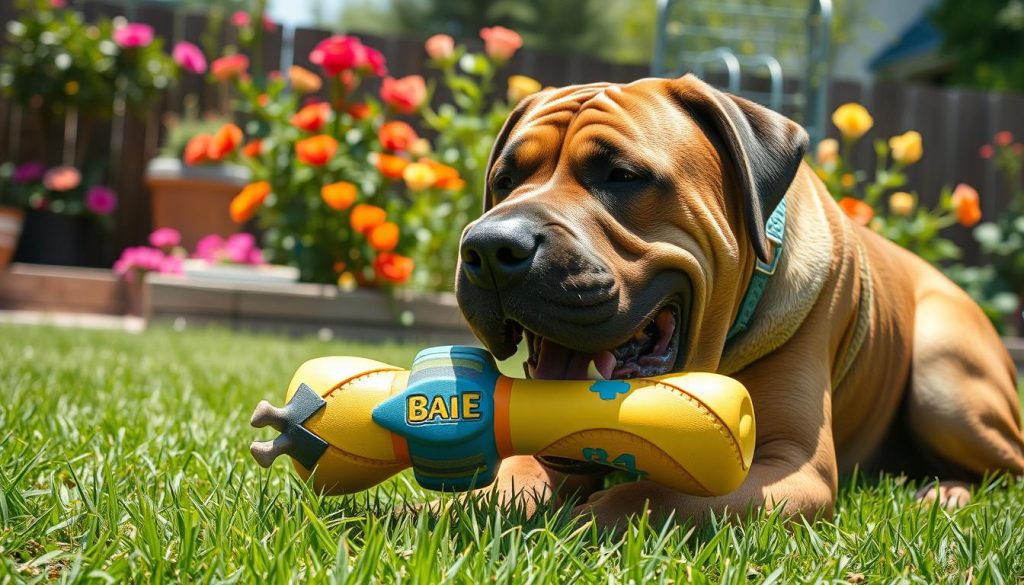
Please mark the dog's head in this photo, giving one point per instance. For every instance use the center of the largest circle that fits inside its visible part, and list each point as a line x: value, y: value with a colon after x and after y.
x: 621, y: 225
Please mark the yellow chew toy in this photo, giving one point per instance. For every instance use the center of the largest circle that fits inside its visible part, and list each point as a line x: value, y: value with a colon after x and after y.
x: 453, y: 417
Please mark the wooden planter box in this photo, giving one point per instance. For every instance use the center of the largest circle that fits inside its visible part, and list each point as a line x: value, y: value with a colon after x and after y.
x: 193, y: 200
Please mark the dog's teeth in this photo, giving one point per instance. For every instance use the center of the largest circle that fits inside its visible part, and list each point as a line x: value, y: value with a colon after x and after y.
x: 593, y: 373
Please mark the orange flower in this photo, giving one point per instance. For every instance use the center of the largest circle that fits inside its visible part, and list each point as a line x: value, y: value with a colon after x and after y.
x: 303, y: 80
x: 224, y: 141
x: 1004, y: 138
x: 245, y: 203
x: 195, y: 150
x: 365, y: 217
x: 391, y: 166
x: 229, y: 67
x: 316, y: 150
x: 311, y: 118
x: 857, y: 210
x: 359, y: 111
x: 393, y: 267
x: 253, y: 149
x: 339, y: 196
x: 966, y: 205
x: 384, y: 237
x: 445, y: 177
x: 397, y: 135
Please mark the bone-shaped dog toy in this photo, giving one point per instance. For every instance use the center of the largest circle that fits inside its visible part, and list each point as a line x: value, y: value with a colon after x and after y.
x: 454, y: 417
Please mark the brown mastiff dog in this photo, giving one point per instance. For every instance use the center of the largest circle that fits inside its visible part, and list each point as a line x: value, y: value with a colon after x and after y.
x: 623, y: 227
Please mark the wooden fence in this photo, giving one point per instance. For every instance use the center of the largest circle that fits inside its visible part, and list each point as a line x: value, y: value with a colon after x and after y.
x: 954, y: 123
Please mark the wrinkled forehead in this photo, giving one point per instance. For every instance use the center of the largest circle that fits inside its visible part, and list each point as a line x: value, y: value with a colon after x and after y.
x: 638, y: 119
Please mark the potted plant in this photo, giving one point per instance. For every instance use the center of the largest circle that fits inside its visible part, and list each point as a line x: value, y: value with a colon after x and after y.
x: 59, y: 212
x: 64, y: 75
x: 192, y: 182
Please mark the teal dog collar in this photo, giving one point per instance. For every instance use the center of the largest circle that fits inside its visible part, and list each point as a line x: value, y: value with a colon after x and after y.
x: 776, y: 232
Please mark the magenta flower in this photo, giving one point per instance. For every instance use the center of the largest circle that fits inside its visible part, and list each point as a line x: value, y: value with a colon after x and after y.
x: 170, y: 265
x: 62, y: 178
x: 29, y: 172
x: 240, y: 19
x: 165, y: 238
x: 238, y: 248
x: 189, y: 57
x: 138, y: 260
x: 101, y: 200
x: 133, y: 35
x: 208, y: 247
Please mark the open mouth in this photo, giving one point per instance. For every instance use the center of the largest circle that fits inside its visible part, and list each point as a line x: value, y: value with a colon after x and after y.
x: 652, y: 350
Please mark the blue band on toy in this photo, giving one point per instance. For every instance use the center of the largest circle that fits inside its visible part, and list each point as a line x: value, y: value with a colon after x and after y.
x: 446, y: 415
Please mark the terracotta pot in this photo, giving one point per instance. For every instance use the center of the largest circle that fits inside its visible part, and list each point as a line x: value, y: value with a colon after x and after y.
x: 193, y: 200
x: 11, y: 220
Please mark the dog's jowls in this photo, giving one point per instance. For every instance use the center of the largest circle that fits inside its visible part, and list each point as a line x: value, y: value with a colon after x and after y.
x: 622, y: 226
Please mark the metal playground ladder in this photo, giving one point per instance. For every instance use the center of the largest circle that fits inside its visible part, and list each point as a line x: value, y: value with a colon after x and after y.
x: 752, y: 42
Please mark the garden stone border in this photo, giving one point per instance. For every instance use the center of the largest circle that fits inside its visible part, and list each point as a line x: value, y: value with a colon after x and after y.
x: 308, y: 309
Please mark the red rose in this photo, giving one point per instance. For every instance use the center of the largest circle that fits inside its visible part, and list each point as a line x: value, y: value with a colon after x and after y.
x: 393, y: 267
x: 338, y: 53
x: 406, y: 94
x: 397, y: 135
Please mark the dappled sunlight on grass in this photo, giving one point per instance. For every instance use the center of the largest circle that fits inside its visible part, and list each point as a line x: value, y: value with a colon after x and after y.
x: 126, y: 455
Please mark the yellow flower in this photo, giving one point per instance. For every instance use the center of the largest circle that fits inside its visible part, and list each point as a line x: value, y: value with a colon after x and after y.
x: 853, y: 120
x: 828, y: 152
x: 419, y: 176
x: 71, y: 87
x: 847, y: 180
x: 420, y: 147
x: 520, y: 86
x: 906, y: 148
x: 347, y: 281
x: 901, y: 203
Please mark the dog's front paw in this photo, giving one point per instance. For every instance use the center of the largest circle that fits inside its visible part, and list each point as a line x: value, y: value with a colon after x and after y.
x: 612, y: 508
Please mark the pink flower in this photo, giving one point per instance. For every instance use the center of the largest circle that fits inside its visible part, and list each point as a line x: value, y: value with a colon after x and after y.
x: 500, y: 43
x: 139, y: 260
x: 189, y: 57
x: 101, y: 200
x: 133, y: 35
x: 58, y: 3
x: 268, y: 23
x: 440, y: 47
x: 406, y: 94
x: 240, y: 19
x: 986, y: 151
x: 229, y: 67
x: 374, y: 63
x: 29, y: 172
x: 170, y: 265
x: 207, y: 247
x: 63, y: 178
x: 165, y: 238
x: 338, y: 53
x: 238, y: 247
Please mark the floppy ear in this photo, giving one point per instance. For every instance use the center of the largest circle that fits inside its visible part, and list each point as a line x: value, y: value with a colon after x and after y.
x: 763, y: 147
x: 502, y: 140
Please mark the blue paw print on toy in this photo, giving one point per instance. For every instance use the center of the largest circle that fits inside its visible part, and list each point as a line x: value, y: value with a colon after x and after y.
x: 609, y: 389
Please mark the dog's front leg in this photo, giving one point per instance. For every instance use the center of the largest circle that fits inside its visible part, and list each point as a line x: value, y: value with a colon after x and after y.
x: 794, y: 460
x: 524, y: 482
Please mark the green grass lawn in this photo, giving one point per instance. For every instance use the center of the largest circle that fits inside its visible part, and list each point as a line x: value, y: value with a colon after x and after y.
x: 125, y: 457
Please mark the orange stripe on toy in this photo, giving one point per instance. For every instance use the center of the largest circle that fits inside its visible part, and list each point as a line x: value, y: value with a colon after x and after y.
x: 502, y: 432
x: 401, y: 447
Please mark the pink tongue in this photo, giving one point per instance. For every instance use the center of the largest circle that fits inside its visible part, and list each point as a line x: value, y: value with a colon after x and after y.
x: 557, y: 362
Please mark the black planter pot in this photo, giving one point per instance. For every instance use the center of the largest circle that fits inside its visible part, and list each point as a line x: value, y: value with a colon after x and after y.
x: 53, y: 238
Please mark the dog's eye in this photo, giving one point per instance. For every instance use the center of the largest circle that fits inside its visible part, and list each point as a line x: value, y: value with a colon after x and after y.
x: 620, y: 175
x: 503, y: 182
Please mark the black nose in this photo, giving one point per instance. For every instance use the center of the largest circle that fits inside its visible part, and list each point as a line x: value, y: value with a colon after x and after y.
x: 498, y: 252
